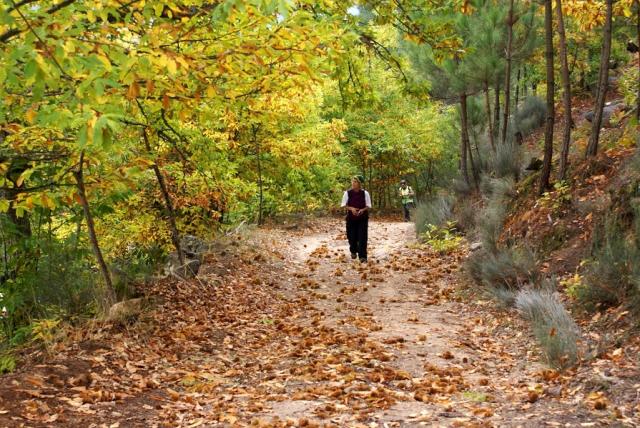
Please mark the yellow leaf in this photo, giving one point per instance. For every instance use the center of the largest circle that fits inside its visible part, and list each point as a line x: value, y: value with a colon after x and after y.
x: 134, y: 90
x: 30, y: 115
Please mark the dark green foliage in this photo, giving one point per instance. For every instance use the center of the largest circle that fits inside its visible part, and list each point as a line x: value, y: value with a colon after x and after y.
x: 552, y: 325
x: 136, y: 265
x: 59, y: 282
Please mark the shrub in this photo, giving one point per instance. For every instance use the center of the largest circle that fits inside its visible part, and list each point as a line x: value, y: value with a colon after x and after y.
x: 552, y: 325
x: 506, y: 161
x: 531, y: 115
x: 559, y: 197
x: 491, y: 219
x: 613, y: 273
x: 436, y: 211
x: 502, y: 269
x: 464, y: 212
x: 59, y: 282
x: 443, y: 240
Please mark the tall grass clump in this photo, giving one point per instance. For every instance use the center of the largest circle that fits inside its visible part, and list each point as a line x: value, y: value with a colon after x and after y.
x: 506, y: 161
x: 613, y: 272
x: 500, y: 270
x: 552, y: 326
x: 435, y: 211
x: 530, y: 116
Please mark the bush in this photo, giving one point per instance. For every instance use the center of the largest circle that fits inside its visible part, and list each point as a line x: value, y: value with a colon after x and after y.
x: 59, y: 281
x: 443, y: 240
x: 506, y: 161
x: 552, y: 325
x: 502, y: 269
x: 464, y: 212
x: 491, y: 219
x: 613, y: 273
x: 436, y: 211
x: 531, y: 115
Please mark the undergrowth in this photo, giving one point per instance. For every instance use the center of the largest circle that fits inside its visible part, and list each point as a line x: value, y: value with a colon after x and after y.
x: 552, y: 325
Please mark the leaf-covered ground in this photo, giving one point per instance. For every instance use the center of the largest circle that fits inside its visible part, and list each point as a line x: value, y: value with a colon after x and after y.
x: 284, y: 330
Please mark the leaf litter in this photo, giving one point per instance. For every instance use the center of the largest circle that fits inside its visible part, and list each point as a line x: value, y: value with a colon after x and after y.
x: 284, y: 330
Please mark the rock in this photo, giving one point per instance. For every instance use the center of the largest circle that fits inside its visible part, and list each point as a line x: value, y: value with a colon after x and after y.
x: 534, y: 165
x: 126, y: 311
x: 608, y: 112
x: 193, y: 250
x: 187, y: 270
x: 475, y: 246
x: 193, y: 247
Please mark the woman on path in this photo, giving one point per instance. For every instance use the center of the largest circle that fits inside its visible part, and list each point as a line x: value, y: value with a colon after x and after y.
x: 358, y: 202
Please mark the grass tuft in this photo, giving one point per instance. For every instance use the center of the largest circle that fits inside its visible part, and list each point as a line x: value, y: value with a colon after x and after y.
x: 552, y: 325
x: 435, y: 211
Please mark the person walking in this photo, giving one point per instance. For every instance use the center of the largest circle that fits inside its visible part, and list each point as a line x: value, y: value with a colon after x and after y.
x: 358, y: 203
x: 406, y: 194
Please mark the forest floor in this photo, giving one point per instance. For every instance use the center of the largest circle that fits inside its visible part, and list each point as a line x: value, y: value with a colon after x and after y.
x: 281, y: 328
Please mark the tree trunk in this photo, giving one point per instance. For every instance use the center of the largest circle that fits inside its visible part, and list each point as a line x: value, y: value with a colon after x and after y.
x: 515, y: 104
x: 168, y: 203
x: 464, y: 138
x: 260, y: 182
x: 474, y: 169
x: 507, y: 77
x: 95, y: 246
x: 638, y: 43
x: 487, y: 103
x: 603, y: 78
x: 496, y: 110
x: 566, y: 92
x: 548, y: 132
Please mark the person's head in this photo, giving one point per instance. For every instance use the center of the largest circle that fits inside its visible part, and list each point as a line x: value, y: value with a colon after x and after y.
x: 356, y: 182
x: 403, y: 183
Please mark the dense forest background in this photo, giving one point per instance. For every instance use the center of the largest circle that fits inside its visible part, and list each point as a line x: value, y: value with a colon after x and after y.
x: 126, y: 126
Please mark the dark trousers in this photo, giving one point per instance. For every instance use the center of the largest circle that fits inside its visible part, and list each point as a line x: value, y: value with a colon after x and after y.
x: 357, y: 234
x: 405, y: 210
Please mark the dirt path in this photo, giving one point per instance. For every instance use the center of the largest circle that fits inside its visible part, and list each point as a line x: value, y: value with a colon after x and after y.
x: 282, y: 329
x: 455, y: 363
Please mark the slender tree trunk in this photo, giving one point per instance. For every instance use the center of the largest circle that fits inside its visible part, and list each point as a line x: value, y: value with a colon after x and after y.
x: 515, y: 104
x: 603, y: 78
x: 507, y: 77
x: 566, y: 92
x: 464, y: 138
x: 638, y: 43
x: 496, y: 110
x: 168, y: 202
x: 487, y: 103
x: 474, y: 169
x: 548, y: 132
x: 95, y: 246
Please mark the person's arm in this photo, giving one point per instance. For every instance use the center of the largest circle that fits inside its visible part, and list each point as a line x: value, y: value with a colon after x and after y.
x: 345, y: 199
x: 367, y: 201
x: 411, y: 191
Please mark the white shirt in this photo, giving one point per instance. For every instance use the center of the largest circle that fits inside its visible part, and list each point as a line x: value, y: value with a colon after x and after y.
x: 345, y: 199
